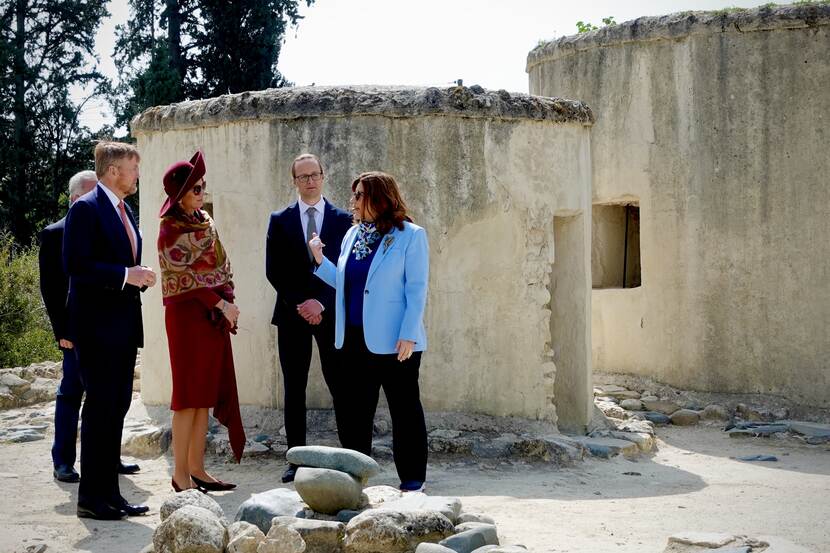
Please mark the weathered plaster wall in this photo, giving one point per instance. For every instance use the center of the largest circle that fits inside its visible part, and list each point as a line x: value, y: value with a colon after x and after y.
x: 719, y: 125
x: 483, y: 172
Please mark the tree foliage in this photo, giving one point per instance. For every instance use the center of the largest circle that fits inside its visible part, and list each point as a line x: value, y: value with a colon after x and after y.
x: 46, y: 47
x: 175, y: 50
x: 585, y: 26
x: 25, y: 334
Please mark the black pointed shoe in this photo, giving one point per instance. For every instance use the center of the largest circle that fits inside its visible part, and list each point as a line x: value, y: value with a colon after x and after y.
x: 128, y: 468
x: 132, y: 510
x: 217, y: 486
x: 66, y: 473
x: 99, y: 511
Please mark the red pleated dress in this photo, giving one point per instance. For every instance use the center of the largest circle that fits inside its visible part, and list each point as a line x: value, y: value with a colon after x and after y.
x: 201, y: 359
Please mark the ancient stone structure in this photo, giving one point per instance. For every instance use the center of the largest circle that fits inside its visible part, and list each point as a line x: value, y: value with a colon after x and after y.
x: 711, y: 200
x: 500, y: 181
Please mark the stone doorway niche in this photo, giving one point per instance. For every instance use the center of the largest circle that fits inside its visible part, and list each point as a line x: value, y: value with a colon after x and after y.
x: 570, y: 323
x: 615, y: 244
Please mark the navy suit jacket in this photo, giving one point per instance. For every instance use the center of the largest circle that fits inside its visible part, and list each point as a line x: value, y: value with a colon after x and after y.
x: 102, y: 310
x: 287, y: 264
x: 54, y: 284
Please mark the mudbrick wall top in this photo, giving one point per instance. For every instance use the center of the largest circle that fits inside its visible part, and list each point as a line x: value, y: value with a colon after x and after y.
x: 678, y: 25
x: 349, y: 101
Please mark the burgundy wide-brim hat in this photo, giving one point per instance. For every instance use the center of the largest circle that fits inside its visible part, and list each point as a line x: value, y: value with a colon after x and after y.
x: 180, y: 178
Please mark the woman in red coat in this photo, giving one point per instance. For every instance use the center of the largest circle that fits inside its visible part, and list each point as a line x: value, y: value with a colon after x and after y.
x: 199, y: 316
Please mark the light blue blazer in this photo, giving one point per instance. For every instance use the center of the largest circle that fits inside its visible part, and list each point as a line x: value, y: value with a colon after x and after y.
x: 395, y: 293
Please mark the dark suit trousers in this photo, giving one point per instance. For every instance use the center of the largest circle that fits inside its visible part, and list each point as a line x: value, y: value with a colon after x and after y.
x: 107, y: 376
x: 67, y: 408
x: 366, y: 374
x: 294, y: 337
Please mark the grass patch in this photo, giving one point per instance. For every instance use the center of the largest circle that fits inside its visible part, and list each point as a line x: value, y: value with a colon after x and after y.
x: 25, y: 333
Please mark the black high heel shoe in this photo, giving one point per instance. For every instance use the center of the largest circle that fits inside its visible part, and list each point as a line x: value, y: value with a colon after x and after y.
x: 178, y: 489
x: 217, y: 486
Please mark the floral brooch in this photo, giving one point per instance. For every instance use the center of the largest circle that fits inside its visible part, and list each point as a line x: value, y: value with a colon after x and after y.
x: 387, y: 242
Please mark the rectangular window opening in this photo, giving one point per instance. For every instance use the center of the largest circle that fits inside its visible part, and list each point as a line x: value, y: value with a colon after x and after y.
x: 615, y: 245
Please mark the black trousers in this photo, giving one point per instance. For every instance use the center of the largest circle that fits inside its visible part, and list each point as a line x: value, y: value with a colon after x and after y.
x: 294, y: 337
x: 107, y: 377
x: 369, y: 372
x: 67, y: 411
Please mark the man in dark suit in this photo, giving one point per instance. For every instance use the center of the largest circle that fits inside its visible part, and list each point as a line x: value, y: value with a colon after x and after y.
x: 54, y: 286
x: 305, y: 304
x: 101, y: 254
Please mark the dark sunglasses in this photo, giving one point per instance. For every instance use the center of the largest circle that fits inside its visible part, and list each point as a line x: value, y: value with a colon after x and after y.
x: 199, y: 188
x: 357, y: 194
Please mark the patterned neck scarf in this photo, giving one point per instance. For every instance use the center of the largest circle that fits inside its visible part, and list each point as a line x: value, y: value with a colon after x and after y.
x: 367, y: 235
x: 191, y: 255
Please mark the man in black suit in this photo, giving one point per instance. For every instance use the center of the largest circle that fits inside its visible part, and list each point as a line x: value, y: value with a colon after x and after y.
x: 54, y: 285
x: 101, y: 254
x: 305, y: 304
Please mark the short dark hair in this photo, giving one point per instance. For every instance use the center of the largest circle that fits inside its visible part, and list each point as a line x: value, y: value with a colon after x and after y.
x: 302, y: 157
x: 381, y: 192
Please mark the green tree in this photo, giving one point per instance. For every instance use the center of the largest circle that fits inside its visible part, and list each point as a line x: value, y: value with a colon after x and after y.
x: 46, y: 47
x: 239, y: 44
x: 174, y: 50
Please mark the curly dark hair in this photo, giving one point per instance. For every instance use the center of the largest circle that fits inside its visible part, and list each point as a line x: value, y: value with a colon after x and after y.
x: 384, y: 198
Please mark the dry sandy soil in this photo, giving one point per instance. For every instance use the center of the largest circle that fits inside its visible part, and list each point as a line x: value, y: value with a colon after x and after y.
x: 691, y: 483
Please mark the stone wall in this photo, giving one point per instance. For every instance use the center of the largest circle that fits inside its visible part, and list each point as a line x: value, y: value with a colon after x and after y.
x: 717, y: 125
x: 484, y: 172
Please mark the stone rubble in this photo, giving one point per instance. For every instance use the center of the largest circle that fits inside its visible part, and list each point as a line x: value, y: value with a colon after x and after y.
x: 680, y: 409
x: 701, y: 542
x: 392, y: 522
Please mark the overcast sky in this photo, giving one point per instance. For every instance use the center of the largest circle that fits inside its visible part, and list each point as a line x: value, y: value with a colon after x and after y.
x: 422, y: 42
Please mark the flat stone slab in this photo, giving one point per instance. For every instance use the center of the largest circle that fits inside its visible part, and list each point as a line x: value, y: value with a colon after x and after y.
x: 470, y: 540
x: 760, y: 430
x: 345, y: 460
x: 386, y: 531
x: 812, y: 429
x: 711, y: 540
x: 450, y: 507
x: 381, y: 494
x: 608, y: 447
x: 643, y: 440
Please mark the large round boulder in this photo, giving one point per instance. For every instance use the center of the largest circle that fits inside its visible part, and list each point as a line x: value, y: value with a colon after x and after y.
x: 328, y: 491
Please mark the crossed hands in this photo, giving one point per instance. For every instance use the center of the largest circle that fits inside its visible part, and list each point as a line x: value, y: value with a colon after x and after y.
x: 311, y: 310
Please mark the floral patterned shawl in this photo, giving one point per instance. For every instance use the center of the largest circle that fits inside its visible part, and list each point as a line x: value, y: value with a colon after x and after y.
x: 191, y: 256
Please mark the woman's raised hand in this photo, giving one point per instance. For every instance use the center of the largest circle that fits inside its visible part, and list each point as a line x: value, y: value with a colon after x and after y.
x: 316, y: 245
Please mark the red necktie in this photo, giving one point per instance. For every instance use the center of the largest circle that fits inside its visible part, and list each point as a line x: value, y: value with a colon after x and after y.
x: 124, y: 220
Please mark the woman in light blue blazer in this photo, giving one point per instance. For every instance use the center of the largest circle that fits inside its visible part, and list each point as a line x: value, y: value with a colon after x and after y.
x: 381, y: 288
